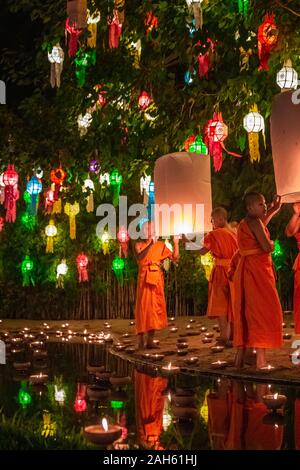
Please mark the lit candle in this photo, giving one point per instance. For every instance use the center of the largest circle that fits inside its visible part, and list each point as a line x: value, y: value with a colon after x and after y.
x: 274, y: 401
x: 267, y: 368
x: 287, y: 336
x: 170, y: 370
x: 191, y: 360
x: 217, y: 349
x: 203, y: 329
x: 103, y: 434
x: 38, y: 378
x: 219, y: 364
x: 173, y: 329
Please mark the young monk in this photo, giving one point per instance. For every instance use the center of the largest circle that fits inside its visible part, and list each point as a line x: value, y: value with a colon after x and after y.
x: 222, y: 243
x: 150, y: 308
x: 257, y: 311
x: 293, y: 230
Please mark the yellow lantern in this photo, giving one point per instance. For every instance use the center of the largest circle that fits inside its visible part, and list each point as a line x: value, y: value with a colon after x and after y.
x: 89, y: 186
x: 204, y: 407
x: 207, y: 262
x: 253, y: 124
x: 72, y: 210
x: 61, y: 271
x: 51, y: 232
x: 92, y: 20
x: 105, y: 239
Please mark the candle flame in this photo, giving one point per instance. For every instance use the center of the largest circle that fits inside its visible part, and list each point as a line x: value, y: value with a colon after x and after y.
x: 276, y: 396
x: 105, y: 424
x: 169, y: 366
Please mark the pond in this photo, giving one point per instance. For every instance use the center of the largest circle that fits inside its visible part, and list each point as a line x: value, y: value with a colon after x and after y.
x: 51, y: 392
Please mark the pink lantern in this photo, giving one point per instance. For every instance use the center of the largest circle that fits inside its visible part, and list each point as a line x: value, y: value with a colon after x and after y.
x: 144, y: 100
x: 115, y: 24
x: 49, y: 200
x: 74, y: 33
x: 82, y: 263
x: 123, y: 238
x: 10, y: 180
x: 80, y: 401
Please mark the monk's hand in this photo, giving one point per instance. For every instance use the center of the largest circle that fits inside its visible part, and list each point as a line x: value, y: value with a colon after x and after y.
x: 276, y: 204
x: 296, y: 207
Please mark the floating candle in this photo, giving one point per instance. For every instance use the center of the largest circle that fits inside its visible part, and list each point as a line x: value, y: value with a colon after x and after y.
x: 217, y: 349
x: 38, y: 378
x: 103, y: 434
x: 219, y: 364
x: 287, y: 336
x: 274, y: 401
x: 191, y: 360
x: 170, y: 370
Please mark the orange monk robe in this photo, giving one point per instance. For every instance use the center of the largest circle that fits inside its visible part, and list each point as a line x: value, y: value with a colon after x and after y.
x: 149, y: 406
x: 222, y: 243
x: 218, y: 420
x: 296, y: 269
x: 257, y: 313
x: 260, y: 436
x: 150, y: 307
x: 297, y: 424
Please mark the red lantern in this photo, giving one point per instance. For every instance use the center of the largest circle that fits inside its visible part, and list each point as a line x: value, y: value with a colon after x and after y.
x: 74, y: 34
x: 189, y: 141
x: 82, y: 263
x: 151, y: 22
x: 115, y: 29
x: 80, y: 402
x: 144, y: 100
x: 10, y: 181
x: 267, y: 39
x: 49, y: 200
x: 57, y: 177
x: 205, y: 57
x: 1, y: 223
x: 123, y: 238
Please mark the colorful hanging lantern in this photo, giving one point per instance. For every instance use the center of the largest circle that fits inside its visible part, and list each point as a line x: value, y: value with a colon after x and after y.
x: 105, y: 240
x: 144, y: 187
x: 84, y: 122
x: 57, y: 177
x: 115, y: 181
x: 49, y: 426
x: 205, y: 57
x: 28, y: 220
x: 2, y: 223
x: 90, y: 188
x: 267, y: 39
x: 278, y: 255
x: 189, y: 77
x: 244, y: 58
x: 287, y: 77
x: 82, y: 61
x: 123, y: 238
x: 104, y: 178
x: 82, y: 264
x: 95, y: 166
x: 243, y: 6
x: 254, y: 123
x: 144, y: 100
x: 61, y: 271
x: 195, y: 9
x: 74, y: 33
x: 204, y: 408
x: 207, y: 262
x: 34, y: 188
x: 27, y: 268
x: 49, y: 199
x: 151, y: 201
x: 101, y: 98
x: 10, y: 181
x: 216, y: 132
x: 115, y: 24
x: 56, y: 59
x: 195, y: 144
x: 59, y: 394
x: 72, y: 210
x: 151, y: 23
x: 92, y: 21
x: 38, y: 172
x: 80, y: 401
x: 24, y: 397
x: 136, y: 48
x: 51, y: 232
x: 118, y: 266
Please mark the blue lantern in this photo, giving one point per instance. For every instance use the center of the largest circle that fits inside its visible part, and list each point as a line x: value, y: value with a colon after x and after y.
x: 34, y: 187
x: 151, y: 201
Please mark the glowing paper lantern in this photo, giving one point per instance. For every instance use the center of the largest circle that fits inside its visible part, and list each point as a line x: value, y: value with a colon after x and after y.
x: 49, y: 199
x: 92, y: 21
x: 287, y: 77
x: 196, y: 145
x: 57, y: 177
x: 151, y: 23
x: 59, y: 394
x: 144, y: 100
x: 115, y: 24
x: 284, y: 127
x: 278, y: 255
x: 183, y: 180
x: 74, y: 33
x: 72, y: 210
x: 34, y: 188
x: 115, y: 181
x: 82, y: 264
x: 84, y: 122
x: 243, y: 6
x: 49, y: 426
x: 194, y: 7
x: 94, y: 166
x: 144, y: 187
x: 205, y: 56
x: 24, y: 397
x: 104, y: 178
x: 267, y: 39
x: 123, y: 238
x: 51, y: 232
x: 27, y: 268
x: 204, y: 407
x: 56, y: 59
x: 137, y: 51
x: 118, y: 266
x: 207, y: 262
x: 254, y: 123
x: 89, y: 187
x: 105, y: 240
x: 10, y: 181
x: 28, y: 220
x: 61, y: 271
x: 82, y: 61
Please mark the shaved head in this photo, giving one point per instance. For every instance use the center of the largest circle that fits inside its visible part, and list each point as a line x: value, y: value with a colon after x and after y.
x: 251, y: 198
x: 220, y: 212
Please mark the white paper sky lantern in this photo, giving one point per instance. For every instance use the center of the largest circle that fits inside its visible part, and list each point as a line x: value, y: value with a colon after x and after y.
x: 287, y: 77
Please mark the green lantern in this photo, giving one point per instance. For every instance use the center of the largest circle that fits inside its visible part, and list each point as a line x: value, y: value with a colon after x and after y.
x: 28, y: 220
x: 118, y: 265
x: 243, y: 6
x: 82, y: 61
x: 27, y: 267
x: 116, y: 404
x: 198, y: 146
x: 278, y: 255
x: 24, y: 397
x: 115, y: 180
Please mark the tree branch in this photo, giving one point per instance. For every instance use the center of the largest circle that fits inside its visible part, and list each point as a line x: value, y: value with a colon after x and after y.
x: 287, y: 8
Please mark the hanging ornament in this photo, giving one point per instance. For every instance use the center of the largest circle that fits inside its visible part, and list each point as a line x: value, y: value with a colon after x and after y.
x: 195, y: 9
x: 151, y: 23
x: 56, y: 59
x: 115, y: 24
x: 204, y: 408
x: 33, y: 188
x: 207, y: 262
x: 136, y: 49
x: 95, y: 166
x: 72, y: 210
x: 82, y: 61
x: 38, y: 172
x: 82, y: 264
x: 115, y: 181
x: 74, y: 34
x: 49, y: 426
x: 243, y: 6
x: 92, y: 21
x: 144, y: 100
x: 123, y: 238
x: 10, y: 180
x: 90, y: 188
x: 57, y: 177
x: 195, y: 144
x: 287, y: 77
x: 51, y: 232
x: 278, y: 255
x: 80, y: 401
x: 2, y: 223
x: 118, y: 266
x: 59, y: 394
x: 104, y: 178
x: 267, y: 39
x: 254, y: 123
x: 215, y: 134
x: 144, y: 187
x: 84, y: 122
x: 151, y: 201
x: 105, y: 240
x: 205, y: 57
x: 24, y: 397
x: 49, y: 199
x: 189, y: 76
x: 28, y: 220
x: 27, y: 267
x: 2, y: 189
x: 244, y: 58
x: 61, y: 271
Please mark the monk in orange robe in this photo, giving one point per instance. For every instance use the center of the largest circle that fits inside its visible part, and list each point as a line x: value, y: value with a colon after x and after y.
x: 218, y: 403
x: 222, y: 243
x: 293, y: 230
x: 257, y: 310
x: 150, y: 308
x: 149, y: 405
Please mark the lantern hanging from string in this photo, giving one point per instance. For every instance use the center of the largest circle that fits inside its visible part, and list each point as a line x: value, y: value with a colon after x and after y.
x: 104, y: 178
x: 254, y: 123
x: 28, y: 220
x: 244, y: 58
x: 2, y: 189
x: 82, y: 264
x: 267, y: 39
x: 115, y: 24
x: 49, y: 426
x: 34, y: 188
x: 104, y: 242
x: 136, y: 49
x: 74, y: 33
x: 10, y: 180
x: 2, y: 223
x: 38, y: 172
x: 118, y: 266
x: 216, y: 132
x: 243, y: 6
x: 59, y: 394
x: 195, y: 144
x: 56, y: 59
x: 205, y: 56
x: 49, y: 199
x: 101, y: 99
x: 144, y: 187
x: 123, y: 238
x: 84, y: 122
x: 144, y: 100
x: 27, y: 268
x: 24, y: 397
x: 204, y: 408
x: 195, y: 9
x: 80, y: 401
x: 51, y: 232
x: 151, y: 23
x: 92, y: 21
x: 287, y: 77
x: 278, y: 255
x: 72, y: 210
x: 82, y: 61
x: 95, y: 166
x: 115, y: 181
x: 90, y: 188
x: 207, y: 262
x: 61, y: 271
x: 57, y: 177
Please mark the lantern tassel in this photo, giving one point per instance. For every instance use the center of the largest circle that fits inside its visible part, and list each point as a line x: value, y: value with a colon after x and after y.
x: 90, y: 203
x: 253, y: 139
x: 72, y: 227
x: 49, y: 246
x: 92, y: 39
x: 56, y: 207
